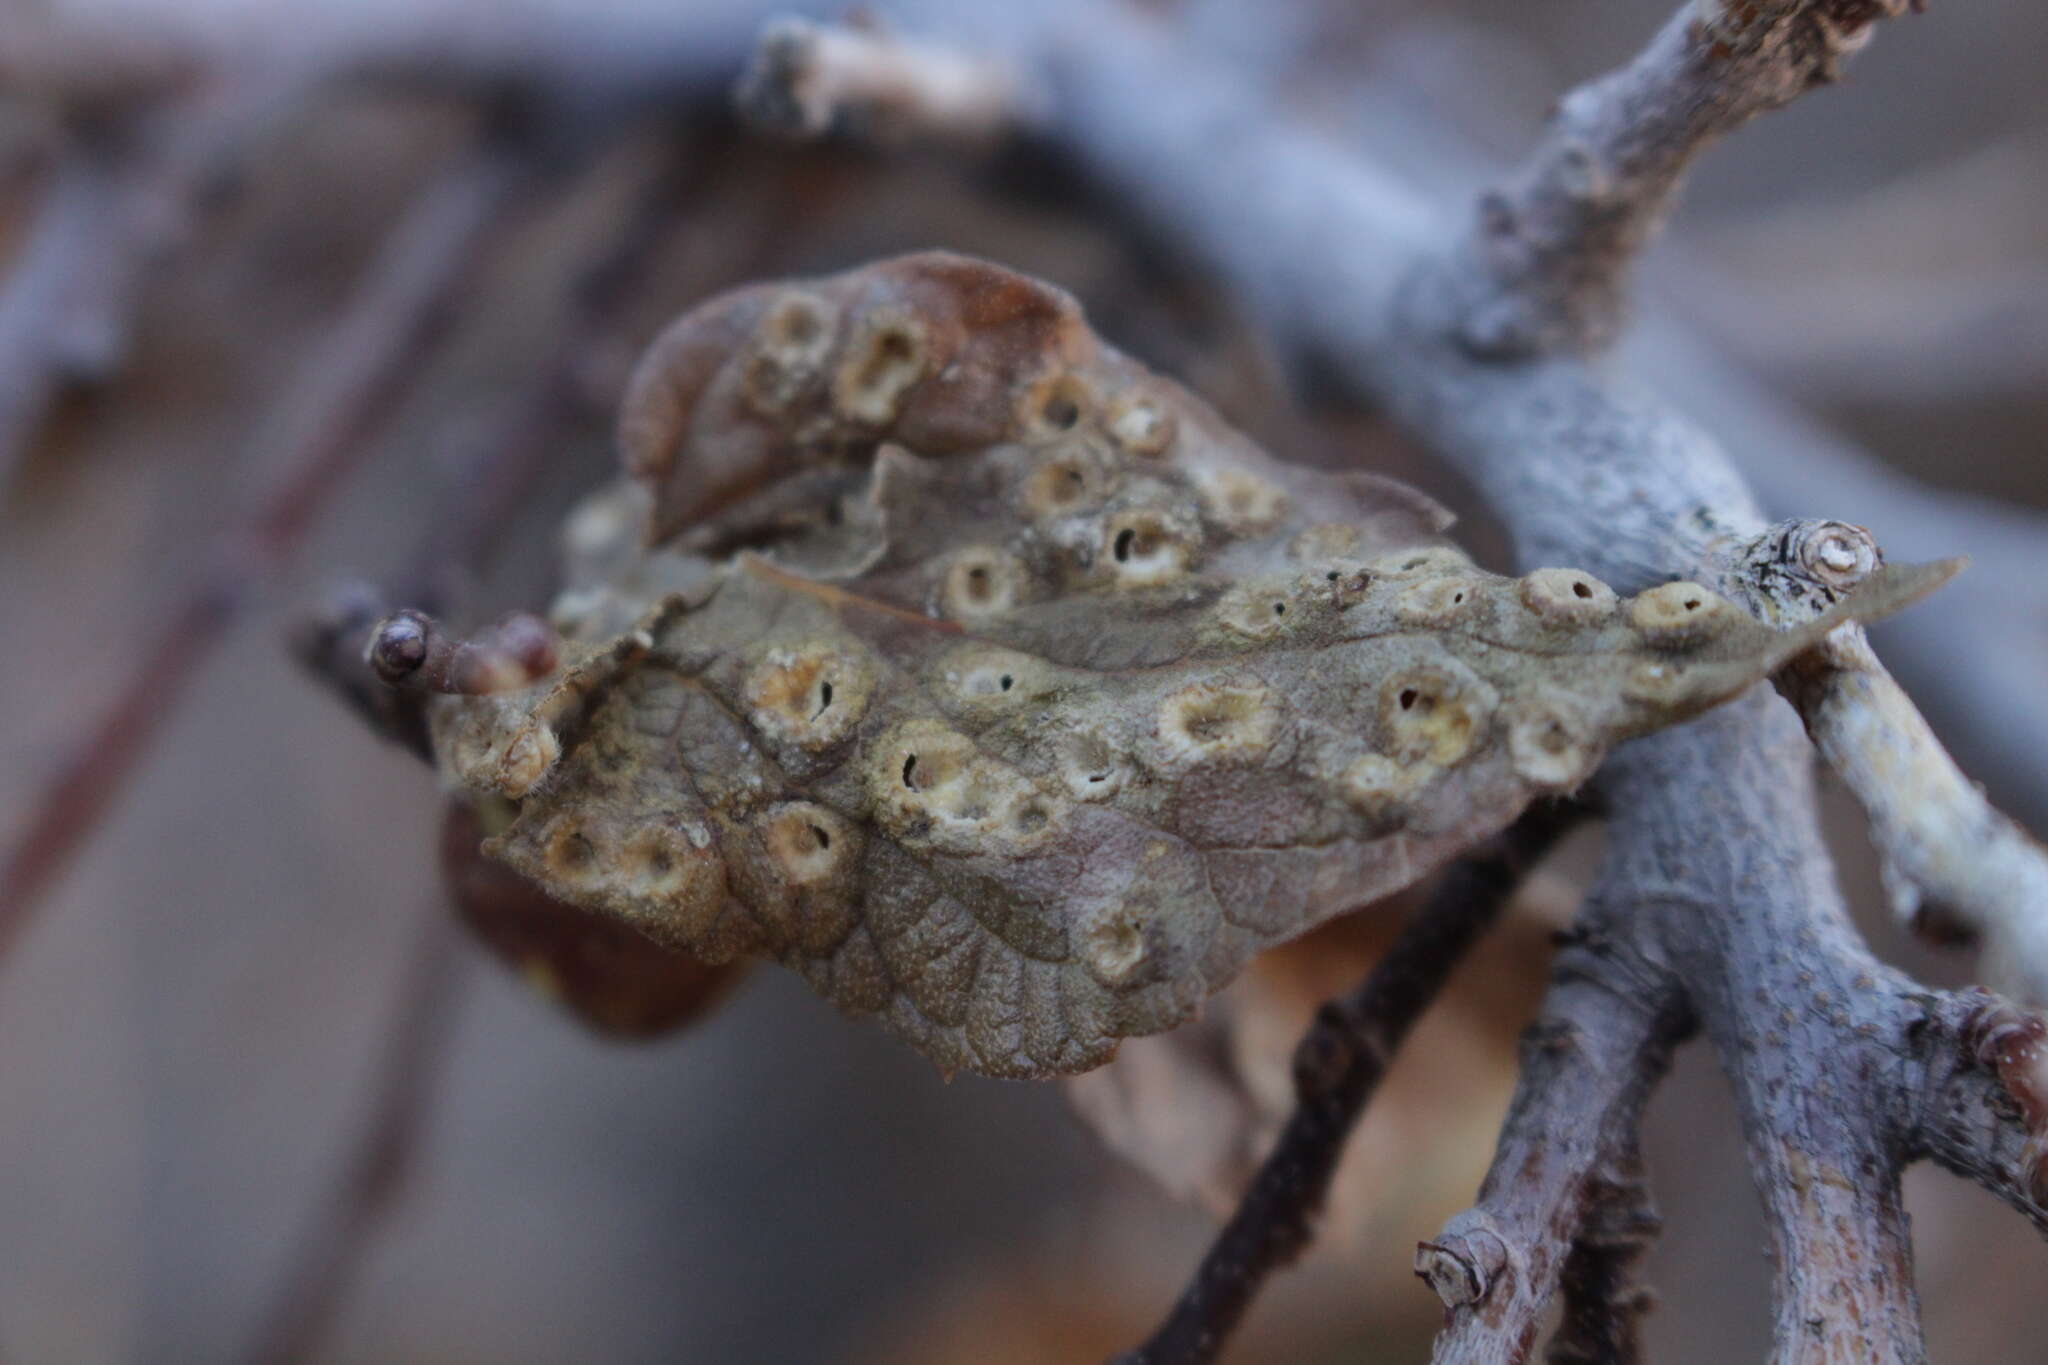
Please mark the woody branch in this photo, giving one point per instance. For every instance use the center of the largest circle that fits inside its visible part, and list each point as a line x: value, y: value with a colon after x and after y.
x: 1716, y: 859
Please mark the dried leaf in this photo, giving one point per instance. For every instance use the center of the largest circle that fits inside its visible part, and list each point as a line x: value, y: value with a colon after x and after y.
x: 1198, y: 1108
x: 990, y: 681
x: 614, y: 979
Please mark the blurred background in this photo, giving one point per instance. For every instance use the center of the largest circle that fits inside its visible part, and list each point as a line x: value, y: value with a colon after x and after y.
x: 281, y: 284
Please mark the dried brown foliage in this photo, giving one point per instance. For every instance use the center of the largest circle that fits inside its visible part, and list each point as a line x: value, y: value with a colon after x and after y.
x: 947, y: 656
x: 927, y: 620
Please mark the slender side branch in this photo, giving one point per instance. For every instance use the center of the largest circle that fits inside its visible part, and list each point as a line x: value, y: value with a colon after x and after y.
x: 808, y: 79
x: 1337, y: 1067
x: 1954, y: 867
x: 1588, y: 1066
x: 1603, y: 1306
x: 1553, y: 249
x: 315, y: 435
x: 1995, y: 616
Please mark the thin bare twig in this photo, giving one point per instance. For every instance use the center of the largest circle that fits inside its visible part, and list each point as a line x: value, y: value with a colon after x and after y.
x: 382, y: 1157
x: 1589, y: 1063
x: 315, y: 435
x: 1954, y: 867
x: 1716, y: 852
x: 1337, y: 1067
x: 126, y: 188
x: 495, y: 470
x: 1603, y: 1306
x: 488, y: 487
x: 1995, y: 616
x: 806, y: 79
x: 1553, y: 250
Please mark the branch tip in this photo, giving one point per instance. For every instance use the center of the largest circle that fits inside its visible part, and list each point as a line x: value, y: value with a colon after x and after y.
x: 1461, y: 1275
x: 409, y: 649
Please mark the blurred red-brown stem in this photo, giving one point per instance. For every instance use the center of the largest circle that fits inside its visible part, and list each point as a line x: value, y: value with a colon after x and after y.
x: 382, y: 1156
x: 1337, y: 1067
x: 352, y: 380
x: 491, y: 482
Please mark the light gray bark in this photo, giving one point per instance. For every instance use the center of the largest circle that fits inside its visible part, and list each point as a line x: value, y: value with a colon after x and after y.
x: 1485, y: 333
x: 1717, y: 875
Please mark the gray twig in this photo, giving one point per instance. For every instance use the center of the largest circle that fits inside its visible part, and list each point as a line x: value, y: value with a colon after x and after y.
x: 1337, y: 1068
x: 1715, y: 860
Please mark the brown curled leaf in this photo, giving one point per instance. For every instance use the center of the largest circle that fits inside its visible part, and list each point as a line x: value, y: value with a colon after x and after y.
x: 927, y: 351
x: 994, y: 684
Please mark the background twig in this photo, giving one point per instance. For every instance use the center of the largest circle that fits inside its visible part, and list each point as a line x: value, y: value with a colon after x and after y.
x: 381, y: 1157
x: 313, y: 437
x: 1337, y: 1067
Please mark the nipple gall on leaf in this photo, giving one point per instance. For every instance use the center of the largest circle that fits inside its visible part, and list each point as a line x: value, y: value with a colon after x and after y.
x: 954, y: 660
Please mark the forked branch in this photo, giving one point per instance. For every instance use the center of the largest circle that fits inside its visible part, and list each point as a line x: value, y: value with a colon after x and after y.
x: 1716, y: 853
x: 1337, y: 1067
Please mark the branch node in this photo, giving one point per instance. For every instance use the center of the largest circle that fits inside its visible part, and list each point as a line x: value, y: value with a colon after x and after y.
x: 409, y: 650
x: 2012, y: 1045
x: 1465, y: 1265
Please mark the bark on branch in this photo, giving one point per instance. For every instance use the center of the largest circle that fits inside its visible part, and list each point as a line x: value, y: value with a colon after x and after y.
x: 1717, y: 903
x: 1337, y: 1068
x: 1716, y: 853
x: 1553, y: 248
x: 1588, y: 1066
